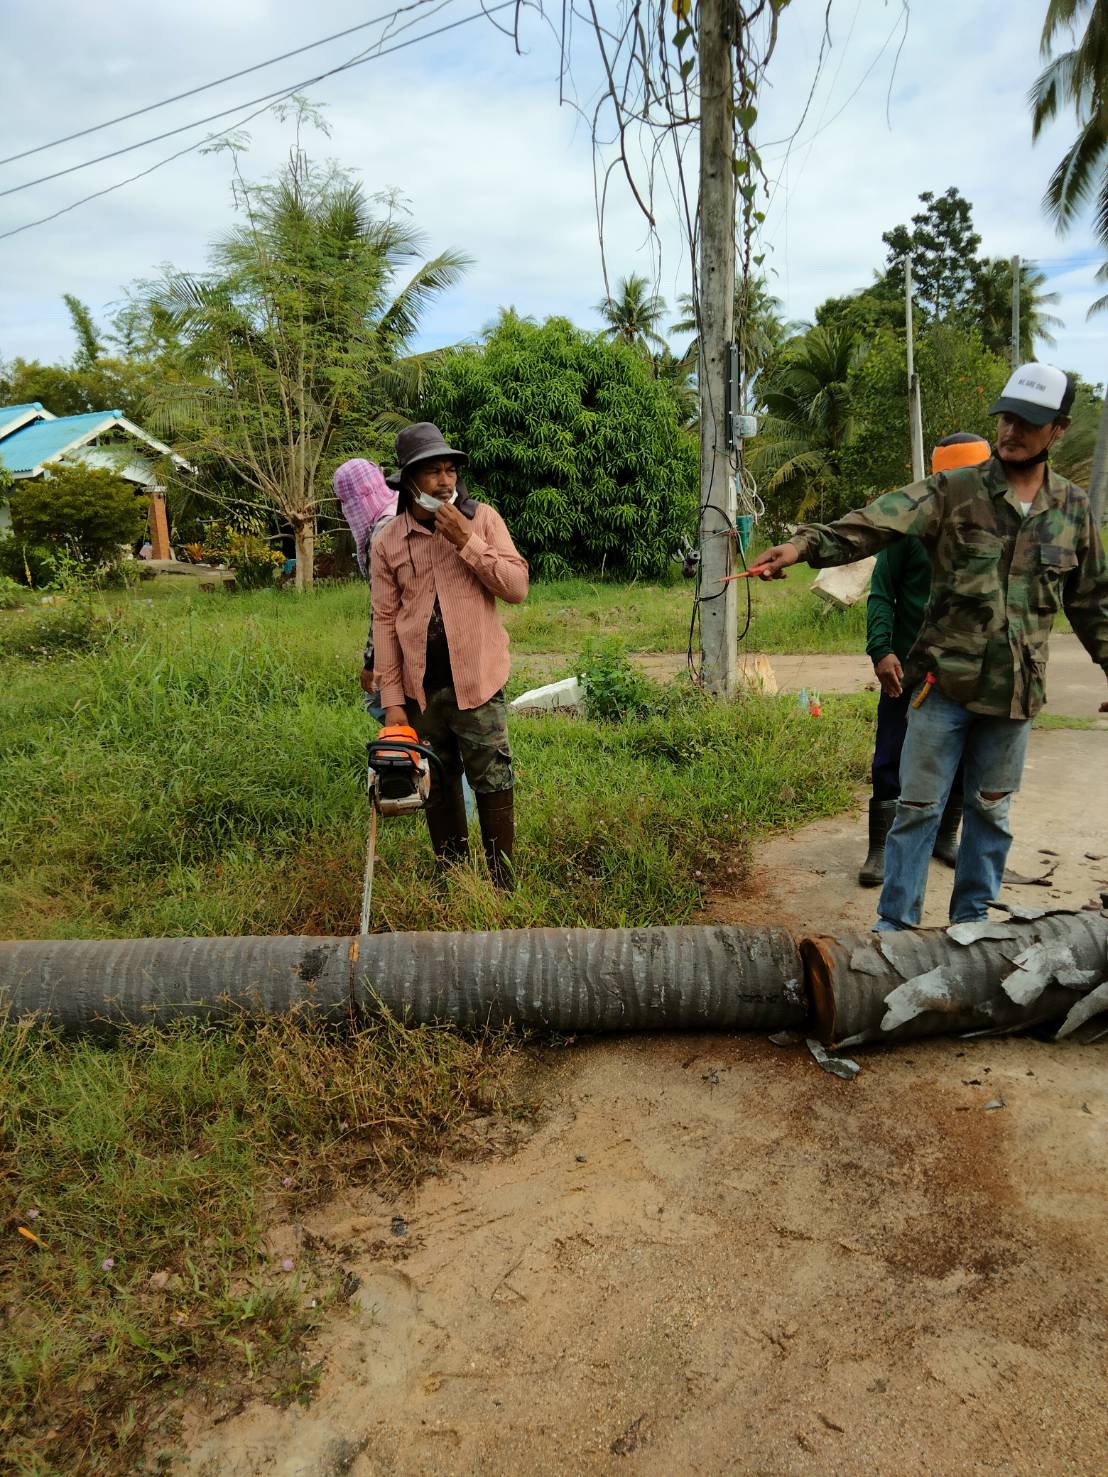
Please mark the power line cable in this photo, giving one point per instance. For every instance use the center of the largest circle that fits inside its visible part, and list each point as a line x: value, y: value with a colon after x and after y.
x: 207, y: 86
x: 189, y: 148
x: 157, y: 138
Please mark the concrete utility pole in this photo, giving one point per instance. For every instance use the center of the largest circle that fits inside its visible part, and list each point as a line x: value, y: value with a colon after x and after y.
x: 915, y: 410
x: 1016, y: 276
x: 1098, y: 473
x: 716, y: 271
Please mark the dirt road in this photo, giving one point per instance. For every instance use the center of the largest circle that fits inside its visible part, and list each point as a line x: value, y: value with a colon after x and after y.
x: 710, y: 1257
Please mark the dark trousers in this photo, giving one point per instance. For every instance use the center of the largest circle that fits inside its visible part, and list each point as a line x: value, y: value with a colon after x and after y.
x: 892, y: 725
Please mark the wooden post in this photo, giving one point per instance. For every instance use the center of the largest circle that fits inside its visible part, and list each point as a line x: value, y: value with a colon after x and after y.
x: 716, y: 274
x: 1016, y: 276
x: 159, y: 526
x: 915, y: 409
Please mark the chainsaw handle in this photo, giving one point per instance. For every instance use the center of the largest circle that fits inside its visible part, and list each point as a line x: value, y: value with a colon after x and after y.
x: 408, y: 744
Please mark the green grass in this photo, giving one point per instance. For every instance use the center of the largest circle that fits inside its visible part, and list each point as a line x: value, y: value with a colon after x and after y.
x: 146, y: 1168
x: 204, y: 775
x: 1050, y: 721
x: 197, y: 767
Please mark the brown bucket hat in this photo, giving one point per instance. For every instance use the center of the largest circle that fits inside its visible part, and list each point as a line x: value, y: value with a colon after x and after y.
x: 419, y: 443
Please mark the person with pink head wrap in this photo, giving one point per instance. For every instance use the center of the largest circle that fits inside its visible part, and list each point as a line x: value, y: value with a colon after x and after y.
x: 367, y: 503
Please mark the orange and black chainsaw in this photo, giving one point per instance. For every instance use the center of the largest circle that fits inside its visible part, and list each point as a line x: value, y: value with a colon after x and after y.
x: 398, y: 782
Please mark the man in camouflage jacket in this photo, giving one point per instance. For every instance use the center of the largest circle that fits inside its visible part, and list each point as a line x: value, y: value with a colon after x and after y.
x: 1011, y: 543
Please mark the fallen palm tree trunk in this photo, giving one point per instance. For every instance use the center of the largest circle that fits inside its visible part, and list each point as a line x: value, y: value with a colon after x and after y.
x: 990, y: 977
x: 561, y: 979
x: 974, y: 977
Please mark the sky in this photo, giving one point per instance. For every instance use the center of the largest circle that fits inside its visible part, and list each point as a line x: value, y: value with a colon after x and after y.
x: 472, y: 135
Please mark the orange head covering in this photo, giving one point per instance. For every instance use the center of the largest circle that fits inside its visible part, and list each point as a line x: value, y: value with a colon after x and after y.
x: 960, y: 450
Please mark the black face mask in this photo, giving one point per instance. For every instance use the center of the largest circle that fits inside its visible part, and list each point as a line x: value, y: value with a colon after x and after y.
x: 1030, y: 461
x: 1033, y: 461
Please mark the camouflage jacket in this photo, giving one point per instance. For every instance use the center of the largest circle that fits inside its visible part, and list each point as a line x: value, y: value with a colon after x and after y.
x: 998, y: 579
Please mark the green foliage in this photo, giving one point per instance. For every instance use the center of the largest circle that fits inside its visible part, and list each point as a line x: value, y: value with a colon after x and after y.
x: 575, y: 442
x: 940, y: 245
x: 255, y: 561
x: 27, y: 564
x: 107, y: 384
x: 634, y: 314
x: 865, y: 312
x: 614, y: 689
x: 62, y: 630
x: 961, y: 379
x: 88, y: 510
x: 281, y: 338
x: 1076, y: 79
x: 809, y: 419
x: 12, y: 596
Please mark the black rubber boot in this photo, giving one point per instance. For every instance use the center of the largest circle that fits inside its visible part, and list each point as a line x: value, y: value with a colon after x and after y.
x: 946, y: 841
x: 447, y: 823
x: 881, y: 813
x: 498, y: 831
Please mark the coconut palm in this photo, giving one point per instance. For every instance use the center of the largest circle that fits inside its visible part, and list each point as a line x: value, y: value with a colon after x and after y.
x: 1077, y: 78
x: 632, y: 316
x: 808, y: 420
x: 298, y: 315
x: 992, y: 307
x: 759, y: 326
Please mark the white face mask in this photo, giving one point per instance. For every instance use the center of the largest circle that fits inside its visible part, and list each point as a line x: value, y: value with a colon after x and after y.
x: 433, y: 504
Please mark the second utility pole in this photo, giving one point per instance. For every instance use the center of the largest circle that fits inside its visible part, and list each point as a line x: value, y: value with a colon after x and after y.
x: 915, y: 411
x: 716, y: 295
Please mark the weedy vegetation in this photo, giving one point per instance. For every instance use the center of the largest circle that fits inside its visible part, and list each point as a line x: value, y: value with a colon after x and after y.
x: 195, y: 765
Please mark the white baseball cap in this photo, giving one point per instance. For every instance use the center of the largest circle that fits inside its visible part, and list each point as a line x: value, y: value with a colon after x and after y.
x: 1037, y: 393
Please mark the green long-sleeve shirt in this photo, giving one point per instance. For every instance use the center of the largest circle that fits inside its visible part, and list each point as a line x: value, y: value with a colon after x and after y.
x: 998, y: 579
x: 898, y: 593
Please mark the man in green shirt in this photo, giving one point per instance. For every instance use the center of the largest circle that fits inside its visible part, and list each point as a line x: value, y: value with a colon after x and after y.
x: 899, y: 591
x: 1011, y: 543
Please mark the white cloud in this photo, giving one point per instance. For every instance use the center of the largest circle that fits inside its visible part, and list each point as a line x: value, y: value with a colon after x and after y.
x: 473, y: 135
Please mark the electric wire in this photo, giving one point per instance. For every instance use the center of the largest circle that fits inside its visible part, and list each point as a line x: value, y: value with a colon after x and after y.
x: 157, y: 138
x: 207, y: 86
x: 190, y: 148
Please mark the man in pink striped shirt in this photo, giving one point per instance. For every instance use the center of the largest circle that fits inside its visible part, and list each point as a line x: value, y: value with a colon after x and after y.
x: 441, y: 651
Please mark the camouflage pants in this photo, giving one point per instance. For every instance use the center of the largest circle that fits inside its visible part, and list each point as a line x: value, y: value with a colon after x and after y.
x: 471, y: 739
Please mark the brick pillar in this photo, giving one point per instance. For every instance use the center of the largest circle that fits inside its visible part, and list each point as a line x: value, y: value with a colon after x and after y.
x: 159, y: 527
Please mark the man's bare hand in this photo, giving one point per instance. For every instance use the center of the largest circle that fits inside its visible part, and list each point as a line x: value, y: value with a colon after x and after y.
x: 890, y: 674
x: 453, y: 527
x: 772, y: 564
x: 368, y: 682
x: 396, y: 717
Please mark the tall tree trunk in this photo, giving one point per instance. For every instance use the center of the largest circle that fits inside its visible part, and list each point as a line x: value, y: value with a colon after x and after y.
x: 1098, y: 473
x: 304, y: 533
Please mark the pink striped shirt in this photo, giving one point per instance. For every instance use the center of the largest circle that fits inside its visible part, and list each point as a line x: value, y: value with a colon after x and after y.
x: 411, y: 564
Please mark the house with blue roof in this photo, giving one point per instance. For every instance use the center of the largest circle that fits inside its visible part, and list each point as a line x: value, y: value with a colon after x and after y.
x: 32, y: 440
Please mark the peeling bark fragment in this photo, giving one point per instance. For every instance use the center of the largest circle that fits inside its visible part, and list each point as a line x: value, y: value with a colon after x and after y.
x: 930, y: 991
x: 986, y: 928
x: 1042, y: 965
x: 1092, y: 1004
x: 866, y: 960
x: 838, y: 1066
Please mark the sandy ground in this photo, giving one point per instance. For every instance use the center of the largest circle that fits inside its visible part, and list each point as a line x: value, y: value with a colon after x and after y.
x: 711, y: 1257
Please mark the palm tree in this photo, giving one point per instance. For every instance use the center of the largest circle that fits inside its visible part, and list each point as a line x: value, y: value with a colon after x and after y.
x: 759, y: 327
x: 992, y: 307
x: 281, y: 338
x: 633, y: 314
x: 808, y: 419
x: 1078, y: 77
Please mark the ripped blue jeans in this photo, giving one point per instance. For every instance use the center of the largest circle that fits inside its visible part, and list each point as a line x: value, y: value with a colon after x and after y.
x: 942, y: 733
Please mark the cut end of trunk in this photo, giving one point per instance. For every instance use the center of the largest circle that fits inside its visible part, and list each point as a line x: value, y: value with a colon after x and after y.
x: 819, y: 969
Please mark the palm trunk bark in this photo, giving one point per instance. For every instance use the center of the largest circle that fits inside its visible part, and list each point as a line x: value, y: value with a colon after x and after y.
x: 1098, y: 473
